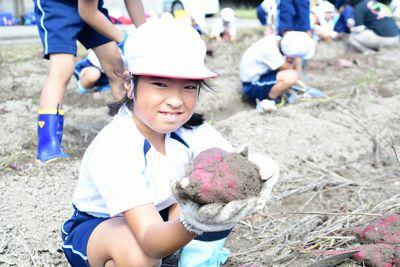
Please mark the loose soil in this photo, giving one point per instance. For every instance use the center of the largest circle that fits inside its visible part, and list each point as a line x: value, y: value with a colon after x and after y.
x: 337, y: 155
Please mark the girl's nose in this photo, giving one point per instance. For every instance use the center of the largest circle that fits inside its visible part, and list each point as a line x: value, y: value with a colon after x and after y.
x: 174, y: 101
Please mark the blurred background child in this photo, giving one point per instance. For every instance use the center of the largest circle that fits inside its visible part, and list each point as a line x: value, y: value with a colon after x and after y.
x: 271, y: 66
x: 224, y: 27
x: 323, y: 21
x: 345, y: 22
x: 374, y: 28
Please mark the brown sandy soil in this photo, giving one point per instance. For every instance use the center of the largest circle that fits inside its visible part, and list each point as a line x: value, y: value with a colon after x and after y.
x: 336, y: 155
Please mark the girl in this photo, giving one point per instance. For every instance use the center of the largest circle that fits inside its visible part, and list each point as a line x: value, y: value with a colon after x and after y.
x: 125, y: 214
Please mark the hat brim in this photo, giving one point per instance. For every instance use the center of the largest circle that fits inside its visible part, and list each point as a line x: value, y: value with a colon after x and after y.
x: 179, y: 77
x: 191, y: 74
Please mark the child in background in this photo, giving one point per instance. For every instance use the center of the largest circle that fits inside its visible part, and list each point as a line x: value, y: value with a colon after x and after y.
x: 90, y: 75
x: 224, y: 28
x: 322, y: 22
x: 59, y: 33
x: 374, y: 27
x: 270, y: 66
x: 294, y: 15
x: 266, y: 14
x: 125, y: 214
x: 345, y: 22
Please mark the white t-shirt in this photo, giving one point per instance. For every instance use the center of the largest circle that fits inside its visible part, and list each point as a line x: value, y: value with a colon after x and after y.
x: 121, y: 170
x: 261, y: 57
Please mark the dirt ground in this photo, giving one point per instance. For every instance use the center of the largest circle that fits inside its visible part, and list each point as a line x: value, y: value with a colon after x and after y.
x: 337, y: 155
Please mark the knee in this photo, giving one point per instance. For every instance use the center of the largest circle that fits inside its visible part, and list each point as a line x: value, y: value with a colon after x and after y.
x: 136, y: 258
x: 288, y: 77
x: 89, y: 75
x: 143, y: 261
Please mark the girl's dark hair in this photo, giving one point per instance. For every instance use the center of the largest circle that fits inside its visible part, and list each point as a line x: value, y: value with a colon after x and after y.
x: 113, y: 108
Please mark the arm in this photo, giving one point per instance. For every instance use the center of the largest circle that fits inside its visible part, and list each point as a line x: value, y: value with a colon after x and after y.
x: 297, y: 66
x: 91, y: 15
x: 298, y: 69
x: 286, y: 66
x: 136, y: 11
x: 158, y: 239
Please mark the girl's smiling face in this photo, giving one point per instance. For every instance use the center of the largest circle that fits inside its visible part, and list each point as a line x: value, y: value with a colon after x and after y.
x: 162, y: 105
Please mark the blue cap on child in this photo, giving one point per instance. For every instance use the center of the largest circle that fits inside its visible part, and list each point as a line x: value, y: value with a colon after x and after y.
x: 167, y: 48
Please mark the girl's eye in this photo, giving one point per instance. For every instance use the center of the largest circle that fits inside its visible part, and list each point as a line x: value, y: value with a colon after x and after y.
x: 192, y: 87
x: 160, y: 84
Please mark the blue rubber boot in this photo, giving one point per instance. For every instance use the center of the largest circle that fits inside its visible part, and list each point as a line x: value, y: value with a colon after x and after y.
x: 50, y: 128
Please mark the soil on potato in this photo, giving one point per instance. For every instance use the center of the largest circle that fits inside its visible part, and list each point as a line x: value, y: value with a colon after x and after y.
x: 216, y: 176
x: 336, y: 155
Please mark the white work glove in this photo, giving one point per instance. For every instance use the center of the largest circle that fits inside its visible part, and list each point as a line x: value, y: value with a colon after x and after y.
x: 217, y: 216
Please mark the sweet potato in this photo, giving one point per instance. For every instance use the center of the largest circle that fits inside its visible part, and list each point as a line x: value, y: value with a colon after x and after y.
x: 373, y: 255
x: 216, y: 176
x: 385, y: 229
x: 378, y: 255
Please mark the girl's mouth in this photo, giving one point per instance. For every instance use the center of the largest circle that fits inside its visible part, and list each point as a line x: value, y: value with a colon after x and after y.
x: 171, y: 116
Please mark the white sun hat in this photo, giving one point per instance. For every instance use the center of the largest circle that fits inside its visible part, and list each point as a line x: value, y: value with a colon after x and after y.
x: 166, y: 48
x: 297, y: 44
x: 228, y: 14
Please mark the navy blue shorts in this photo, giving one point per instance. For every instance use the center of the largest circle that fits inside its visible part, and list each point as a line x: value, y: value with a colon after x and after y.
x: 260, y: 89
x: 293, y: 15
x: 80, y: 65
x: 60, y: 26
x: 76, y: 233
